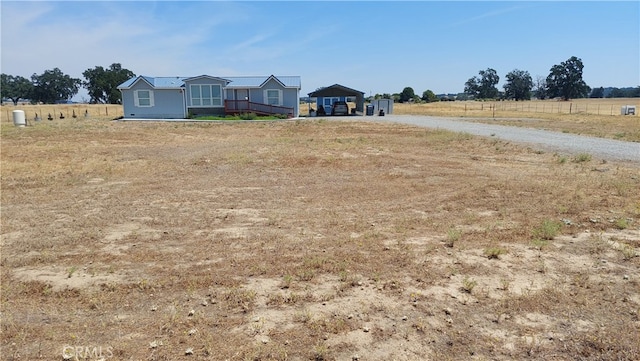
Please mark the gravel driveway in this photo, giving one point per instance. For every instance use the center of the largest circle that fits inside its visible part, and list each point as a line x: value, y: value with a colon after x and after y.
x: 607, y: 149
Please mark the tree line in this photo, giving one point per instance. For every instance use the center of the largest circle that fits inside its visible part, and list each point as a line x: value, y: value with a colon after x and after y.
x: 564, y: 81
x: 53, y: 86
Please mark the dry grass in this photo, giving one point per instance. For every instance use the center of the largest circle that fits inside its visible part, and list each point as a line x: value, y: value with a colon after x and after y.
x: 81, y: 111
x: 594, y: 117
x: 321, y: 240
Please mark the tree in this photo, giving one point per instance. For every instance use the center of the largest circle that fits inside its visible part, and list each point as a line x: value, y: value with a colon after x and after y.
x: 15, y: 87
x: 616, y: 93
x: 53, y: 85
x: 519, y: 85
x: 565, y: 80
x: 407, y: 94
x: 483, y: 87
x: 597, y: 93
x: 540, y: 87
x: 429, y: 96
x: 102, y: 84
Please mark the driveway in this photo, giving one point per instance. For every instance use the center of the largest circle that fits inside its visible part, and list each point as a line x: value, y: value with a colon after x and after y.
x: 606, y: 149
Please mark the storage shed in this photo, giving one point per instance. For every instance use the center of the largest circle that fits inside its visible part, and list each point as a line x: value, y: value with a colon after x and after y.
x: 336, y: 92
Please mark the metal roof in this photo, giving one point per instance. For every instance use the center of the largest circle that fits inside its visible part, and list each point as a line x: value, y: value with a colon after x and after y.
x: 236, y: 81
x: 168, y: 82
x: 257, y: 81
x: 335, y: 90
x: 156, y: 82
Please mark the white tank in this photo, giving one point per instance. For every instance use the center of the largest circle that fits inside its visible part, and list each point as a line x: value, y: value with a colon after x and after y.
x: 18, y: 118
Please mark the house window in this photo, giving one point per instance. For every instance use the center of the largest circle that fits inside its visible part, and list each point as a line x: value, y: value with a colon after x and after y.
x: 273, y: 96
x: 143, y: 98
x: 206, y: 95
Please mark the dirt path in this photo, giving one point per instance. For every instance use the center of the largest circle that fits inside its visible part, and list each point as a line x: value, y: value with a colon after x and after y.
x: 606, y: 149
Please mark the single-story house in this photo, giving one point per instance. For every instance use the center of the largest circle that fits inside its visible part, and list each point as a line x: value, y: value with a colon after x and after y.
x: 325, y: 97
x: 145, y: 97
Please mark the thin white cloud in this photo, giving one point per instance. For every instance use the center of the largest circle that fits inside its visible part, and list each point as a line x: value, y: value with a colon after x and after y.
x: 486, y: 15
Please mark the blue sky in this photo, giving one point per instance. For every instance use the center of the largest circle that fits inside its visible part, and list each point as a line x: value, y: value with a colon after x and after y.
x: 372, y: 46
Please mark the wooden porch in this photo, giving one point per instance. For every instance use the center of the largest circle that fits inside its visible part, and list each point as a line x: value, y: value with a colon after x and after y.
x: 245, y: 106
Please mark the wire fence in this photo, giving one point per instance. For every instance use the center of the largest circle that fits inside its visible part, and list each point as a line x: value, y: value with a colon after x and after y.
x: 604, y: 107
x: 559, y: 107
x: 63, y: 111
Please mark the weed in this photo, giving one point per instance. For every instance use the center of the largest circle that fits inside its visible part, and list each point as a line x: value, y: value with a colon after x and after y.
x: 582, y: 158
x: 247, y: 116
x: 494, y: 252
x: 468, y: 284
x: 547, y: 230
x: 542, y: 267
x: 71, y: 271
x: 306, y: 274
x: 597, y: 244
x: 505, y: 284
x: 303, y: 316
x: 320, y: 352
x: 453, y: 236
x: 622, y: 223
x: 628, y: 252
x: 286, y: 281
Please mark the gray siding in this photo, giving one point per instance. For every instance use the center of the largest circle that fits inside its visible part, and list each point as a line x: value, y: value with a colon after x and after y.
x: 204, y: 110
x: 289, y: 96
x: 168, y: 103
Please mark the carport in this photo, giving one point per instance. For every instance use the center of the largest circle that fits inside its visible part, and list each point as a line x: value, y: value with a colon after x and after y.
x: 338, y: 92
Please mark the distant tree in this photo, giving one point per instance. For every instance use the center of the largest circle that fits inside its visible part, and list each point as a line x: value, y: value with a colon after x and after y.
x: 483, y: 87
x: 624, y: 92
x: 407, y: 94
x: 387, y: 96
x: 565, y: 80
x: 53, y: 85
x: 540, y: 87
x: 102, y: 84
x: 15, y: 87
x: 519, y: 85
x: 617, y: 93
x: 429, y: 96
x: 597, y: 93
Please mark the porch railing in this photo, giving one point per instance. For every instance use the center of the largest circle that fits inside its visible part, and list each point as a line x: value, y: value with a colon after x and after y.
x: 245, y: 106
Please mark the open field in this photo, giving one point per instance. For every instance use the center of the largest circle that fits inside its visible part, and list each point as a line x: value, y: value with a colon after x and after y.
x: 81, y: 111
x: 593, y: 117
x: 311, y: 240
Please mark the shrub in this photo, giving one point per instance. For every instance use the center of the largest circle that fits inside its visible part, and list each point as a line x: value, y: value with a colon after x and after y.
x: 453, y: 236
x: 468, y: 284
x: 247, y: 116
x: 547, y: 230
x: 582, y: 157
x: 494, y: 252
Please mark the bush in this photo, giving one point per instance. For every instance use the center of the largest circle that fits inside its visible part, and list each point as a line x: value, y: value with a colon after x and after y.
x: 547, y: 230
x: 247, y: 116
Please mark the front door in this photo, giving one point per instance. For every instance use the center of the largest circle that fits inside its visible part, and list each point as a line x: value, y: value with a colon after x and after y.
x: 242, y: 94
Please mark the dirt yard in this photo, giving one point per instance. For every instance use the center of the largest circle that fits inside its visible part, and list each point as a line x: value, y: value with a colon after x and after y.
x: 311, y: 240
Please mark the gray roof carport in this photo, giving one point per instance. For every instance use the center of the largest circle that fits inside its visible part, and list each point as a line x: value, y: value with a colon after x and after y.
x: 337, y: 90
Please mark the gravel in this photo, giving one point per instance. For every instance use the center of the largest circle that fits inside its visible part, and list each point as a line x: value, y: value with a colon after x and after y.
x: 606, y: 149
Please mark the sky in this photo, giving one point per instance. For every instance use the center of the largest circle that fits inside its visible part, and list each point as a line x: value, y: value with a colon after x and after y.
x: 372, y: 46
